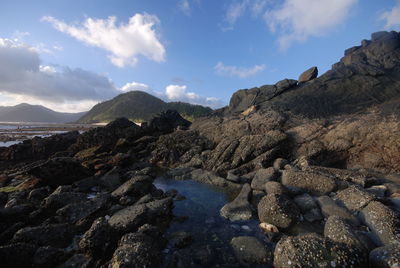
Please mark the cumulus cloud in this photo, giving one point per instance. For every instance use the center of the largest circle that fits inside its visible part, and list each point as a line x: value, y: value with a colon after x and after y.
x: 391, y: 17
x: 241, y: 72
x: 135, y: 86
x: 184, y: 6
x: 24, y: 78
x: 125, y: 42
x: 297, y: 20
x: 179, y: 93
x: 22, y: 74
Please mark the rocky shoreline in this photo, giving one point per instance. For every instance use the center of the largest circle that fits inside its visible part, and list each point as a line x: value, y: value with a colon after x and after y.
x: 326, y: 189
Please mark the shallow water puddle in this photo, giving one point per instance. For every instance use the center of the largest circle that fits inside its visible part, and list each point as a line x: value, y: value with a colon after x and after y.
x: 199, y: 215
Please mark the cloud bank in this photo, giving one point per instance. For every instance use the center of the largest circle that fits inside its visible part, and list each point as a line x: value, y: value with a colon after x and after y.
x: 297, y: 20
x: 391, y: 17
x: 125, y: 42
x: 241, y: 72
x: 23, y: 78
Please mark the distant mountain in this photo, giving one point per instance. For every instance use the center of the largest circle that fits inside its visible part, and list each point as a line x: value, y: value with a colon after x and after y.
x: 35, y: 113
x: 139, y: 106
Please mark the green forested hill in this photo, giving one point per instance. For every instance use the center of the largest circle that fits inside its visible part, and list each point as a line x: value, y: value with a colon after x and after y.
x: 139, y: 106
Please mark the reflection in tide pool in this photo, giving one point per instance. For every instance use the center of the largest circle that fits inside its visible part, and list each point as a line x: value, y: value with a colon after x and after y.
x: 200, y: 214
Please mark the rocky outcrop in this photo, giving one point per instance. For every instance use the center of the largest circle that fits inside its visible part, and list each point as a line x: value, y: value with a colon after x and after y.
x: 367, y: 75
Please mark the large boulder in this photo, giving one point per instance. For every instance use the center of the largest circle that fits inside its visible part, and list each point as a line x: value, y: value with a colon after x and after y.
x: 136, y: 186
x: 98, y: 240
x: 56, y: 235
x: 385, y: 257
x: 249, y: 250
x: 340, y: 231
x: 136, y: 250
x: 129, y: 218
x: 278, y: 210
x: 310, y: 182
x: 59, y: 171
x: 308, y: 75
x: 239, y: 208
x: 312, y: 250
x: 383, y: 222
x: 354, y: 198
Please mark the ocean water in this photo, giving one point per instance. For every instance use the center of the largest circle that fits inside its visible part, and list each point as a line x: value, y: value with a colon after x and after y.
x: 15, y: 132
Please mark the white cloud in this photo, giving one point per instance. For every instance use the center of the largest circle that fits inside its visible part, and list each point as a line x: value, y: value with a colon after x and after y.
x: 297, y: 20
x: 23, y: 77
x: 235, y: 11
x: 135, y: 86
x: 175, y: 92
x: 391, y: 17
x: 184, y: 6
x: 241, y: 72
x: 125, y: 42
x: 258, y: 7
x: 179, y: 93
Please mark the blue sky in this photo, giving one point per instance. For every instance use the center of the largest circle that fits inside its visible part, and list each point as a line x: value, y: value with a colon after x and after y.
x: 69, y: 55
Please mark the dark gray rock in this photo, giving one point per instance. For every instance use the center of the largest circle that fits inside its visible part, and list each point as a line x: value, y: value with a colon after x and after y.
x: 129, y: 219
x: 385, y: 257
x: 274, y: 187
x: 77, y: 260
x: 98, y: 240
x: 340, y: 231
x: 383, y: 222
x: 56, y: 235
x: 249, y: 250
x: 354, y: 198
x: 278, y: 210
x: 49, y: 257
x: 308, y: 75
x: 310, y: 182
x: 78, y: 211
x: 17, y: 255
x: 262, y: 176
x: 239, y: 208
x: 59, y: 199
x: 330, y: 208
x: 312, y: 250
x: 59, y: 171
x: 136, y: 250
x: 305, y: 202
x: 136, y: 186
x: 111, y: 180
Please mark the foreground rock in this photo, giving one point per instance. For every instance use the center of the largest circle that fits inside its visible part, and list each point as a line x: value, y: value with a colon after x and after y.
x: 309, y: 182
x: 384, y: 223
x: 278, y: 210
x: 250, y: 251
x: 240, y: 208
x: 385, y: 257
x: 60, y: 171
x: 312, y: 250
